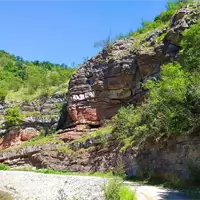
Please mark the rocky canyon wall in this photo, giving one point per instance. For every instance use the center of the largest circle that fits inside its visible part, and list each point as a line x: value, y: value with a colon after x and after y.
x: 115, y: 76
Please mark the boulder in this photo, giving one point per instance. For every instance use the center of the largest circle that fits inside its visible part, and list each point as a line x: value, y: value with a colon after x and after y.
x: 28, y: 133
x: 16, y: 136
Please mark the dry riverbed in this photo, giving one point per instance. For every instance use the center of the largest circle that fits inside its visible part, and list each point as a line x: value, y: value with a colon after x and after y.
x: 37, y: 186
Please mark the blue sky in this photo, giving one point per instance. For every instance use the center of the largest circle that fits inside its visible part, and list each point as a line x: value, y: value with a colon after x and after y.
x: 65, y: 31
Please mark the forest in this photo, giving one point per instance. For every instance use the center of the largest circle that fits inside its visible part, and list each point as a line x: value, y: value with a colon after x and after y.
x: 22, y: 80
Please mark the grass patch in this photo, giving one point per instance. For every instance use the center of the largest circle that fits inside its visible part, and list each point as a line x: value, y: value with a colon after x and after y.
x: 39, y: 140
x: 116, y: 190
x: 22, y: 94
x: 65, y: 149
x: 59, y: 172
x: 97, y: 174
x: 98, y: 133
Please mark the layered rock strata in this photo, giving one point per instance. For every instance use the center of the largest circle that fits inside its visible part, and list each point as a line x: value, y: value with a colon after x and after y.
x: 167, y: 158
x: 42, y: 114
x: 115, y: 76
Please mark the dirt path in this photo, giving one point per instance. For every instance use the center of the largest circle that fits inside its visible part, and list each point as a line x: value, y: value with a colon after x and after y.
x: 36, y: 186
x: 146, y: 192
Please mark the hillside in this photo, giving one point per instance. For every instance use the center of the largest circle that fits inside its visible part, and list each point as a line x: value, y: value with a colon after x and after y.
x: 31, y: 95
x: 132, y: 109
x: 24, y: 81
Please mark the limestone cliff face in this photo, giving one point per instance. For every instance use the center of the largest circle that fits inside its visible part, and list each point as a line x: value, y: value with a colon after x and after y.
x: 115, y: 76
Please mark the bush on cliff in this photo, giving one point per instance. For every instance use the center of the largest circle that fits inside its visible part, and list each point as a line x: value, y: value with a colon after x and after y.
x: 190, y: 54
x: 171, y: 8
x: 165, y: 112
x: 13, y: 116
x: 172, y: 105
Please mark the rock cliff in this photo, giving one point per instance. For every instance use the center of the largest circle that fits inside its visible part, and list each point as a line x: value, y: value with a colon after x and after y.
x: 42, y: 114
x: 115, y: 76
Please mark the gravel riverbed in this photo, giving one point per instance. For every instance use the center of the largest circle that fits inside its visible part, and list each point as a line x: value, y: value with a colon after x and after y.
x: 37, y: 186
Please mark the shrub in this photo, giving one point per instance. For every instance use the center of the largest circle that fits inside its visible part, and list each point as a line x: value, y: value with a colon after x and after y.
x: 3, y: 166
x: 119, y: 169
x: 104, y: 43
x: 13, y: 116
x: 190, y: 54
x: 165, y: 16
x: 147, y: 174
x: 169, y: 109
x: 171, y: 8
x: 174, y: 181
x: 126, y: 193
x: 115, y: 190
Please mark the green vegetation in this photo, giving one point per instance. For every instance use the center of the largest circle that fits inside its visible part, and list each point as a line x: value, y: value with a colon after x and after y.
x: 160, y: 22
x: 172, y: 104
x: 171, y: 8
x: 49, y: 171
x: 5, y: 196
x: 116, y: 190
x: 42, y: 140
x: 190, y: 53
x: 100, y: 133
x: 36, y: 141
x: 164, y: 18
x: 59, y: 172
x: 23, y: 81
x: 13, y: 116
x: 3, y: 167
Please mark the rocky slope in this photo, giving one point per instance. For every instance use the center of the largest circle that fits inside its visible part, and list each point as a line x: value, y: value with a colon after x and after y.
x: 115, y: 76
x: 40, y: 114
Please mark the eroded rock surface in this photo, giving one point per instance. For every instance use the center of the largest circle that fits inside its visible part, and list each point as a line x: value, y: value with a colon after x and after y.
x: 166, y: 158
x: 15, y: 137
x: 39, y: 115
x: 115, y: 76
